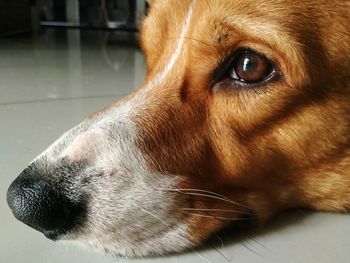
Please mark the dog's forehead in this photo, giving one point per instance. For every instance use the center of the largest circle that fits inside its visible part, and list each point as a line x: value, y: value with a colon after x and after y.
x: 249, y: 16
x: 290, y: 32
x: 169, y: 12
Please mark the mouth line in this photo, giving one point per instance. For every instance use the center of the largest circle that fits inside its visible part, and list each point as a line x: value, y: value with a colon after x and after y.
x: 230, y: 232
x: 53, y: 235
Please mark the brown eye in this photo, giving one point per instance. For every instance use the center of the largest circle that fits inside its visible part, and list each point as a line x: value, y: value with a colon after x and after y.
x: 250, y: 67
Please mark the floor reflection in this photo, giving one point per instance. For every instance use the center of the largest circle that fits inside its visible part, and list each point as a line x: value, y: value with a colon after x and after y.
x: 69, y: 64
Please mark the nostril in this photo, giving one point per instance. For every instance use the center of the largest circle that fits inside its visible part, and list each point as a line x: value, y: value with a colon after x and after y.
x: 36, y: 203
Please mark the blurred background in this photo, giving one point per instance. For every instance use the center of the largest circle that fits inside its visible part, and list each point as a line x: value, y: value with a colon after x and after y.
x: 18, y: 16
x: 69, y: 49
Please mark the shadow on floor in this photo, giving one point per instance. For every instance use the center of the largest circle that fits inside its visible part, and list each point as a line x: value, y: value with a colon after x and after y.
x: 245, y: 232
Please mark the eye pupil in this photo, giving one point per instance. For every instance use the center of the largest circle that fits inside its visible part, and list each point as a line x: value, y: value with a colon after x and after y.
x: 250, y: 67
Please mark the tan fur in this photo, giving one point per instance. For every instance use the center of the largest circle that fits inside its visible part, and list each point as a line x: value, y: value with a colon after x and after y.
x: 285, y: 145
x: 195, y: 148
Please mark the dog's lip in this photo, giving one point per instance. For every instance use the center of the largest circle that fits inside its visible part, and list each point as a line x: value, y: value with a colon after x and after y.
x: 53, y: 235
x: 247, y: 222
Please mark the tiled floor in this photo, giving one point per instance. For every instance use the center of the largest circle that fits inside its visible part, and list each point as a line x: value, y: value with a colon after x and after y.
x: 49, y: 85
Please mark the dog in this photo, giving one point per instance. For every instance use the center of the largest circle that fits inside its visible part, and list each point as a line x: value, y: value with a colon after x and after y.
x: 244, y: 113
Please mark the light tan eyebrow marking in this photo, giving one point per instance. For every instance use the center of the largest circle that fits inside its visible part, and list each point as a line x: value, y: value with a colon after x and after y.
x: 161, y: 76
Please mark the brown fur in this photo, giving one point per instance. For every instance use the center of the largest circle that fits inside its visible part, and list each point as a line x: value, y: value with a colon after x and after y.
x: 283, y: 145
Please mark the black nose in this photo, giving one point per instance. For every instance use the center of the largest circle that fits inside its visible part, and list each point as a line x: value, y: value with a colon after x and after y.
x: 36, y: 203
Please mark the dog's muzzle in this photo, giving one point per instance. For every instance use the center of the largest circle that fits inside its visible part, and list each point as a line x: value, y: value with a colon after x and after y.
x: 40, y: 205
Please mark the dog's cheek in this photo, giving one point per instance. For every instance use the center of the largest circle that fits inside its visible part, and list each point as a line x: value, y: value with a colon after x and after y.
x: 255, y: 208
x: 200, y: 229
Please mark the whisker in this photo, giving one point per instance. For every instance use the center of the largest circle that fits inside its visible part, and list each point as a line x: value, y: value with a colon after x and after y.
x: 153, y: 215
x: 211, y: 210
x: 206, y: 194
x: 149, y: 234
x: 250, y: 249
x: 212, y: 14
x: 205, y: 191
x: 219, y: 217
x: 167, y: 225
x: 194, y: 39
x: 222, y: 254
x: 221, y: 241
x: 202, y: 257
x: 260, y: 244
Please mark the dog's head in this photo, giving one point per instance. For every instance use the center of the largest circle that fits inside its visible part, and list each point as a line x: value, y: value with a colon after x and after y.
x: 245, y: 111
